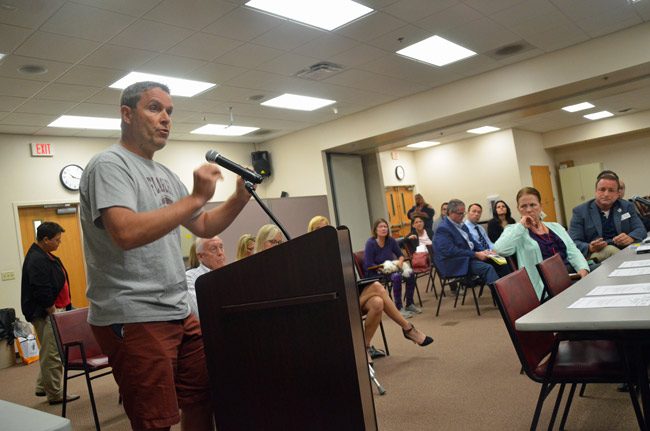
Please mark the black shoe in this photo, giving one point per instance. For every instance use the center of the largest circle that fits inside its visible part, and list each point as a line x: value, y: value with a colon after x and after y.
x: 414, y: 335
x: 40, y: 393
x: 375, y: 353
x: 70, y: 398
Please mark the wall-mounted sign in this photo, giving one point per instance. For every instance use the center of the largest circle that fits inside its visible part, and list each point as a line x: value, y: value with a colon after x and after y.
x: 40, y: 149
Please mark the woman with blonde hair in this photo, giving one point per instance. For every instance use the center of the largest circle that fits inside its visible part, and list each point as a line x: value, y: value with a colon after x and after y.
x: 268, y: 236
x: 317, y: 222
x: 193, y: 259
x: 245, y: 246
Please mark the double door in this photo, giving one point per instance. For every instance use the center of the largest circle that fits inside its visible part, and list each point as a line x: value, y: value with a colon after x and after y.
x: 399, y: 200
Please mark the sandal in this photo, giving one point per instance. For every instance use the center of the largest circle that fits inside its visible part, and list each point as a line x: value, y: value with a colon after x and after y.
x: 416, y: 336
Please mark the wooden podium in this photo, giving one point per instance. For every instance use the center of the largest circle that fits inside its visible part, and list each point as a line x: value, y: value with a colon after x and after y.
x: 284, y: 339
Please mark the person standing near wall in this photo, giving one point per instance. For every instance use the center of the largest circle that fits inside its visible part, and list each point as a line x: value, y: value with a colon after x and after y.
x: 45, y: 290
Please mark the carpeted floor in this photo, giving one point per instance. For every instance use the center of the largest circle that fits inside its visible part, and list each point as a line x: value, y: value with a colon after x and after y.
x: 468, y: 379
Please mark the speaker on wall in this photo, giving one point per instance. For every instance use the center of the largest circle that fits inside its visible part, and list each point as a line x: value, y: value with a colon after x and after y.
x: 261, y: 162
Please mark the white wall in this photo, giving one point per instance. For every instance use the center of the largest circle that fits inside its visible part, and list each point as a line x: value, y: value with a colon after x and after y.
x: 374, y: 187
x: 469, y: 170
x: 30, y: 180
x: 406, y: 159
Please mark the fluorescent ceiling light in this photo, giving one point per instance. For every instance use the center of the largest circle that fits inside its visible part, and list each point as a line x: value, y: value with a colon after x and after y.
x: 578, y: 107
x: 300, y: 103
x: 437, y: 51
x: 325, y: 14
x: 223, y: 130
x: 424, y: 144
x: 77, y: 122
x: 482, y: 130
x: 598, y: 115
x: 1, y: 55
x: 177, y: 86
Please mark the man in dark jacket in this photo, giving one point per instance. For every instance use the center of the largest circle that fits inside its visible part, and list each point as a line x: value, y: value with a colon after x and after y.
x: 45, y: 290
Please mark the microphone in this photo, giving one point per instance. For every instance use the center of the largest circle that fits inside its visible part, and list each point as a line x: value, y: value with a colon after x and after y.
x: 644, y: 201
x: 248, y: 175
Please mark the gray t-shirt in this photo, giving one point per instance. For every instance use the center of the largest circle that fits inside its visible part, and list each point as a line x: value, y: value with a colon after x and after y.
x: 146, y: 283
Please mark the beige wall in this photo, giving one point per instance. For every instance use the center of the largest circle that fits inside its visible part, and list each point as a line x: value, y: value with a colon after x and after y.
x: 29, y: 180
x: 406, y: 159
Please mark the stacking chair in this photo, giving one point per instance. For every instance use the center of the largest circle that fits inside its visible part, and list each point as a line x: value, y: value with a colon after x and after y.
x: 421, y: 272
x: 79, y: 352
x: 555, y: 276
x: 552, y: 359
x: 462, y: 283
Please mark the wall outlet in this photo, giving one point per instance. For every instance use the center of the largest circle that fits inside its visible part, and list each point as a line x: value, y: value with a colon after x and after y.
x: 8, y: 275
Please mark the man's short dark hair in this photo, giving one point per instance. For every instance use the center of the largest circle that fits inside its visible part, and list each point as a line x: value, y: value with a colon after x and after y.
x: 48, y: 229
x: 608, y: 175
x: 131, y: 94
x: 469, y: 208
x: 454, y: 204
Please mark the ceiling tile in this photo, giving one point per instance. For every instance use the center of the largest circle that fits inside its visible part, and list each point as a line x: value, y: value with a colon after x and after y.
x: 371, y: 27
x: 9, y: 68
x: 74, y: 93
x: 249, y: 55
x: 360, y: 54
x: 256, y: 79
x: 8, y: 103
x: 96, y: 110
x: 171, y: 65
x: 414, y: 10
x: 119, y: 57
x: 287, y: 64
x: 22, y: 119
x: 151, y: 35
x: 29, y: 13
x: 579, y: 9
x: 18, y: 130
x: 194, y: 14
x: 11, y: 36
x: 228, y: 93
x: 42, y: 106
x: 19, y: 87
x: 401, y: 38
x: 449, y: 18
x: 91, y: 76
x: 217, y: 72
x: 288, y: 36
x: 204, y: 46
x: 127, y: 7
x: 523, y: 11
x: 403, y: 68
x: 540, y: 23
x: 243, y: 24
x: 613, y: 20
x: 375, y: 82
x: 86, y: 22
x: 557, y: 37
x: 107, y: 96
x: 56, y: 47
x: 481, y: 35
x: 491, y: 6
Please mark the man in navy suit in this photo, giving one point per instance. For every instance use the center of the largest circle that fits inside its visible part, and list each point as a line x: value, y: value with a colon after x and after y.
x: 456, y: 253
x: 605, y: 224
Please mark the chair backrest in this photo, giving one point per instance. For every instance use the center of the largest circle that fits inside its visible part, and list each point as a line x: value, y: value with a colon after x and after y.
x: 554, y: 275
x: 72, y: 327
x: 359, y: 256
x: 512, y: 262
x: 515, y: 297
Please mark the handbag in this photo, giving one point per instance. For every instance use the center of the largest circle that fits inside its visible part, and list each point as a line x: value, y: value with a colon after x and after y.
x: 420, y: 260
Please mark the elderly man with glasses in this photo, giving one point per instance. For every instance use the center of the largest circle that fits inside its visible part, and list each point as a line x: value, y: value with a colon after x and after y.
x: 456, y: 252
x: 211, y: 256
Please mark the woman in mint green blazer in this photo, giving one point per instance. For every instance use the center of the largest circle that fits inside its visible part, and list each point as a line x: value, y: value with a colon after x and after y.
x: 533, y: 240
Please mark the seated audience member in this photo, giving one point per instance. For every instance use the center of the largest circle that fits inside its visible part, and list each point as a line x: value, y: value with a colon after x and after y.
x: 245, y: 246
x: 424, y: 211
x: 621, y: 189
x: 268, y: 236
x: 605, y: 224
x: 480, y: 237
x: 533, y: 240
x: 380, y: 247
x: 501, y: 217
x: 373, y: 301
x: 317, y: 222
x: 456, y: 254
x: 418, y: 236
x: 193, y: 260
x: 443, y: 215
x: 211, y: 256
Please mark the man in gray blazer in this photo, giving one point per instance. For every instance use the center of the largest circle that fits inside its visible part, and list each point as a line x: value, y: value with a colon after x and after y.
x: 605, y: 224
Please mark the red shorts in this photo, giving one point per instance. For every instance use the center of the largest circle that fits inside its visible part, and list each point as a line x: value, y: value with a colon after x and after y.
x: 159, y: 368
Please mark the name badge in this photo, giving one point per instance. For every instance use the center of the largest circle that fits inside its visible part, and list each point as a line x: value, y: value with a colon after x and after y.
x: 625, y: 216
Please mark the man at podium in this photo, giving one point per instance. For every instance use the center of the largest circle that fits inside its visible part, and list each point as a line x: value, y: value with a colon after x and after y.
x: 131, y: 210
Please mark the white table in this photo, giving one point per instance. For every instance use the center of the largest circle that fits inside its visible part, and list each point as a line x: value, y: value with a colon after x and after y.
x: 630, y: 325
x: 20, y: 418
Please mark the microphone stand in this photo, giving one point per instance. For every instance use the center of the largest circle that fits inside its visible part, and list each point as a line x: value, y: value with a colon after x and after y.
x: 251, y: 189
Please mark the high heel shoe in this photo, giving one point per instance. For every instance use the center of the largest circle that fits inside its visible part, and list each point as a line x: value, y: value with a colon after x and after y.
x: 415, y: 336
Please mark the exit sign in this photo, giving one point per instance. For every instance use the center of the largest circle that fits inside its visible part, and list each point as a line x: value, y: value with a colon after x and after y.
x: 42, y: 149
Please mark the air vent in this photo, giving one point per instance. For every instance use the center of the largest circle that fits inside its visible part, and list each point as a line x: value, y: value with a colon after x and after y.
x: 319, y: 71
x: 510, y: 50
x: 260, y: 132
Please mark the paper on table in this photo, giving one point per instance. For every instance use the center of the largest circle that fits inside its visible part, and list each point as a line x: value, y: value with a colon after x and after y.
x: 612, y: 301
x: 621, y: 289
x: 635, y: 263
x: 626, y: 272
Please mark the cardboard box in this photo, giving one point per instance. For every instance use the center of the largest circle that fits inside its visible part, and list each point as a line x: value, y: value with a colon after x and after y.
x: 7, y: 354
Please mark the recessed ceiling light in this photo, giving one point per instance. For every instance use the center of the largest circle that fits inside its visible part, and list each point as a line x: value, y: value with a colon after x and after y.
x: 424, y: 144
x: 223, y: 130
x: 578, y: 107
x: 177, y: 86
x: 78, y: 122
x: 32, y: 69
x: 482, y: 130
x: 325, y: 14
x: 598, y: 115
x: 297, y: 102
x: 437, y: 51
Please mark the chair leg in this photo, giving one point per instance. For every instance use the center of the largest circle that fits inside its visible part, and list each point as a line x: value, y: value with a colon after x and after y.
x: 475, y: 301
x: 64, y: 405
x: 556, y: 407
x: 543, y: 392
x: 458, y: 293
x: 582, y: 389
x: 432, y: 281
x: 92, y: 399
x: 567, y: 406
x: 383, y: 337
x: 442, y: 293
x: 417, y: 290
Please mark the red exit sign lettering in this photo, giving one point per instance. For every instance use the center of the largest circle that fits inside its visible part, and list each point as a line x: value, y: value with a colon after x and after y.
x: 42, y: 149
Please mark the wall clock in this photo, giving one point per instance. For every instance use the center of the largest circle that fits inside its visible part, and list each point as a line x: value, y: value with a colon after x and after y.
x: 399, y: 172
x: 70, y: 176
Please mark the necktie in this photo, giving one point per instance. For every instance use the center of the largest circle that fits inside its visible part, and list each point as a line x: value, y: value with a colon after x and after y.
x: 481, y: 239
